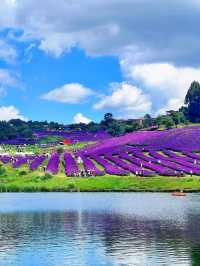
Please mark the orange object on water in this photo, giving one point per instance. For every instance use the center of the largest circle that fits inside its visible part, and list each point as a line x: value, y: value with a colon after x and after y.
x: 178, y: 194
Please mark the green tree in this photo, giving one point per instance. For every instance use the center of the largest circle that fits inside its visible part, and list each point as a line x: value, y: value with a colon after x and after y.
x: 178, y: 117
x: 132, y: 127
x: 164, y: 120
x: 184, y: 110
x: 168, y: 122
x: 115, y: 128
x: 159, y: 120
x: 93, y: 127
x: 107, y: 121
x: 147, y: 121
x: 192, y: 99
x: 108, y: 117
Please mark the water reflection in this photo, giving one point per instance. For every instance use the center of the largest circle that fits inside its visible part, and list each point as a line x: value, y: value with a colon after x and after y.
x: 116, y: 232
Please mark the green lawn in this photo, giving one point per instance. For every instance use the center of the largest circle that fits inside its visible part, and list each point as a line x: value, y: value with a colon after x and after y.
x: 37, y: 149
x: 22, y: 180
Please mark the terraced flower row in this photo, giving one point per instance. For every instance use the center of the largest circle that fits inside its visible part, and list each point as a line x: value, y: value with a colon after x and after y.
x: 121, y: 161
x: 167, y: 153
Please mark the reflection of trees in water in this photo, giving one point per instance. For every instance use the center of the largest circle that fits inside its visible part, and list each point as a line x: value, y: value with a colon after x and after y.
x: 195, y: 255
x: 194, y: 230
x: 120, y: 235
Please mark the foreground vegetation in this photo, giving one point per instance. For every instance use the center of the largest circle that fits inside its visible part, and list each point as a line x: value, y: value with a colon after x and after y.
x: 23, y: 181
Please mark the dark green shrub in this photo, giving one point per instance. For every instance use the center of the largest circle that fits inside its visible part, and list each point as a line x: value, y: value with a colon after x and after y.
x: 71, y: 186
x: 190, y: 179
x: 60, y: 150
x: 2, y: 170
x: 46, y: 176
x: 23, y: 172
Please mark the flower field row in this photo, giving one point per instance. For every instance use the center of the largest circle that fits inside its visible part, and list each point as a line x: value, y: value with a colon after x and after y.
x: 166, y: 153
x: 120, y: 162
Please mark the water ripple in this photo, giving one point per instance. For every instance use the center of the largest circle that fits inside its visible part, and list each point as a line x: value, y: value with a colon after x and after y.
x: 109, y: 229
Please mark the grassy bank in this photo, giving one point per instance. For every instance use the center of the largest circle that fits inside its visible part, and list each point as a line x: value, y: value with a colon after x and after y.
x: 24, y: 181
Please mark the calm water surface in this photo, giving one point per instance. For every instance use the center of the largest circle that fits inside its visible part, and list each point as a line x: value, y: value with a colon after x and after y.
x: 83, y: 229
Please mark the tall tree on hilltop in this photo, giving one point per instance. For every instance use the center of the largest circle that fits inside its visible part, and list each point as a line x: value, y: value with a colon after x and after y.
x: 107, y: 121
x: 147, y: 121
x: 192, y: 99
x: 108, y: 117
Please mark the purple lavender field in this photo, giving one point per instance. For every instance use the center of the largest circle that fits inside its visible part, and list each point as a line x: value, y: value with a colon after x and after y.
x: 174, y: 152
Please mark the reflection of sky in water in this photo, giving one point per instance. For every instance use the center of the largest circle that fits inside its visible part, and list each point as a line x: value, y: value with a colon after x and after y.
x: 98, y: 229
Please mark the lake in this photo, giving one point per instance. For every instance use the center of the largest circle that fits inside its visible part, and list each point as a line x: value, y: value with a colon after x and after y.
x: 83, y: 229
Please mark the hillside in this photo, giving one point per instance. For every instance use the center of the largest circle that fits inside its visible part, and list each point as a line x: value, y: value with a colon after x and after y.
x: 167, y: 158
x: 177, y: 138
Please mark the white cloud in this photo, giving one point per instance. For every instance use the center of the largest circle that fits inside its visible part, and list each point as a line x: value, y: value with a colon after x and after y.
x: 7, y: 14
x: 103, y: 27
x: 7, y: 52
x: 72, y: 93
x: 172, y: 104
x: 166, y: 77
x: 108, y: 27
x: 8, y: 79
x: 10, y: 112
x: 56, y: 44
x: 80, y: 118
x: 163, y: 81
x: 126, y: 99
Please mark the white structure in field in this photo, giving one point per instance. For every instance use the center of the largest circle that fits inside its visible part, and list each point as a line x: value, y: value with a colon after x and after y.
x: 79, y: 160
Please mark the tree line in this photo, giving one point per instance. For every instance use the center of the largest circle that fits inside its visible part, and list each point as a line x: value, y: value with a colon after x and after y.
x: 190, y: 112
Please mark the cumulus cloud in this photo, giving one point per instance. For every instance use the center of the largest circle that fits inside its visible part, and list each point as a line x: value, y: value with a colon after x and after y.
x: 71, y: 93
x: 10, y: 112
x: 172, y: 104
x: 80, y: 118
x: 117, y: 28
x: 126, y: 100
x: 166, y: 83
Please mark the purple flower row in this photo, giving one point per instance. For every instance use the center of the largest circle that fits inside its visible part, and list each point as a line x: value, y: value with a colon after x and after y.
x: 90, y: 166
x: 110, y: 168
x: 37, y: 162
x: 20, y: 160
x: 53, y: 163
x: 71, y: 167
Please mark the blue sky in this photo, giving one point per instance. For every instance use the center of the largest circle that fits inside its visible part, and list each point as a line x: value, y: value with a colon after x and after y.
x: 73, y: 61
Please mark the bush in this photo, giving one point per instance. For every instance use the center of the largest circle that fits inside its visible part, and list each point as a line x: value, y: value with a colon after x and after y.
x: 60, y: 150
x: 22, y: 173
x: 2, y: 170
x: 71, y: 186
x: 190, y: 180
x: 46, y: 176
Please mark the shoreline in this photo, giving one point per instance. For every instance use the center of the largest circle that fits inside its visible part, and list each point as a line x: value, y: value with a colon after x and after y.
x: 14, y: 181
x: 102, y: 191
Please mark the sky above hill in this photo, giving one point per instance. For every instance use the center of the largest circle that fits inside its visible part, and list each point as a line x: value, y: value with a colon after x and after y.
x: 73, y: 61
